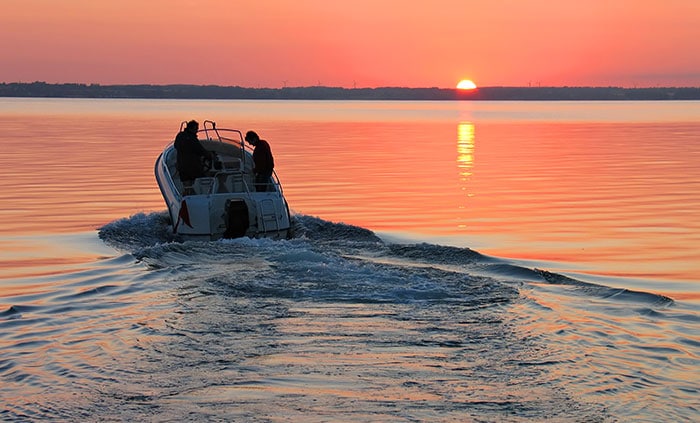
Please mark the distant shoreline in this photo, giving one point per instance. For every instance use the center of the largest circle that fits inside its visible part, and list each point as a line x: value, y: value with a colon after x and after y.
x: 216, y: 92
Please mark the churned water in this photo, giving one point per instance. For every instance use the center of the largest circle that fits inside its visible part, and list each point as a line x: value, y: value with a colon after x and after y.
x: 450, y: 262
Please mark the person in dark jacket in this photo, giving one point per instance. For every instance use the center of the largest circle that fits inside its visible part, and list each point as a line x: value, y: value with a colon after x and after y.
x: 190, y: 153
x: 263, y: 162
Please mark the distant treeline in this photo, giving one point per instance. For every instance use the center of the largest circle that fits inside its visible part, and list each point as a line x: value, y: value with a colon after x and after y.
x: 43, y: 89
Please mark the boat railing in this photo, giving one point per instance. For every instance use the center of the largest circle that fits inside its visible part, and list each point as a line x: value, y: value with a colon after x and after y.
x: 234, y: 136
x: 225, y: 135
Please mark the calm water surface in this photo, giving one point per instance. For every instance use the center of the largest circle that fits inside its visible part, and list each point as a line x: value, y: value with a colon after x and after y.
x: 539, y: 260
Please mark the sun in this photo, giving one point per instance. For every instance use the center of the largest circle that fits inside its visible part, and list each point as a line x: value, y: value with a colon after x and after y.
x: 466, y: 84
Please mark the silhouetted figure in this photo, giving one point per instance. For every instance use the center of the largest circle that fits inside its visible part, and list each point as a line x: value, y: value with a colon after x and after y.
x: 263, y: 162
x: 190, y: 153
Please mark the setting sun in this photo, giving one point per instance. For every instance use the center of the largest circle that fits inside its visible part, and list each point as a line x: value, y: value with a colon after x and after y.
x: 466, y: 84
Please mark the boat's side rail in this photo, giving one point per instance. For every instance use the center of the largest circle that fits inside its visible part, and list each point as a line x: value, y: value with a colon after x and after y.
x: 170, y: 160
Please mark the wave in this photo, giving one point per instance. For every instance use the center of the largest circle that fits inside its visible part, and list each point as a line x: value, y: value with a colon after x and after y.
x: 606, y: 292
x: 347, y: 253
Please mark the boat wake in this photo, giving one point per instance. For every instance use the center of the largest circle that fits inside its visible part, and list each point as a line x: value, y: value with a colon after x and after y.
x: 333, y: 321
x: 485, y: 318
x: 150, y: 239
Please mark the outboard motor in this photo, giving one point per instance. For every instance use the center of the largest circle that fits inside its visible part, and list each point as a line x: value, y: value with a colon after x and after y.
x: 237, y: 222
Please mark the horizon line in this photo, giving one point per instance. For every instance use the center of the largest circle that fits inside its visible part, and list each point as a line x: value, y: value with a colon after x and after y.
x: 352, y: 88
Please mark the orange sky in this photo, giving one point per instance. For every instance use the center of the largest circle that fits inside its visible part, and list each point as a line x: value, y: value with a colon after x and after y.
x: 362, y: 43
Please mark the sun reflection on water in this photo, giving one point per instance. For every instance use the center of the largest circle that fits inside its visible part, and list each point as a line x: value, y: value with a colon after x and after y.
x: 465, y: 161
x: 465, y: 149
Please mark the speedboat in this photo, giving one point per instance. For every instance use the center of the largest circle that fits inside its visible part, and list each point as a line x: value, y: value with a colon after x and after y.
x: 224, y: 203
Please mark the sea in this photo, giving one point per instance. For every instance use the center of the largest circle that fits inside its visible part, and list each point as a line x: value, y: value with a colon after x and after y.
x: 450, y: 261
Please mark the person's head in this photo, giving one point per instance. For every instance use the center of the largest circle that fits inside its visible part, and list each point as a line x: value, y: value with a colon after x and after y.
x: 252, y: 137
x: 193, y: 126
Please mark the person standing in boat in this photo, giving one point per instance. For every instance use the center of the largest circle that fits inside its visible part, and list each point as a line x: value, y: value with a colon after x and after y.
x: 190, y: 153
x: 263, y: 162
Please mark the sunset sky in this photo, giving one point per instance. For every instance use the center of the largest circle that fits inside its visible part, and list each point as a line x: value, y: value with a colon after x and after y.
x: 354, y: 43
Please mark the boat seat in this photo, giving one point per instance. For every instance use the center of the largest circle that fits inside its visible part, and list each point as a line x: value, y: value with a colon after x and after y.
x: 234, y: 182
x: 205, y: 185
